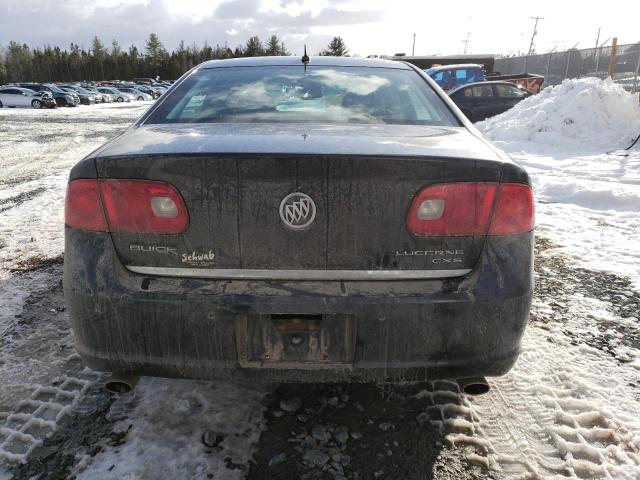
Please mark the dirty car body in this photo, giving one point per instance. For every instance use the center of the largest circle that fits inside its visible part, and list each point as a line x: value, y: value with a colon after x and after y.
x: 269, y: 220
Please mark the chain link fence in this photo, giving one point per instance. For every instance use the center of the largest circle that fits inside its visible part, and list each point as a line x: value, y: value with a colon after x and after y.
x: 589, y: 62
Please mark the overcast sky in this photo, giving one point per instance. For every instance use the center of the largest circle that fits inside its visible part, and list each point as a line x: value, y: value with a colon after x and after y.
x: 367, y: 26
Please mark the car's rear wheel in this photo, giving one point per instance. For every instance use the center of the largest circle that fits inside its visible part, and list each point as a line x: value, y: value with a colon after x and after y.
x: 140, y: 98
x: 120, y: 99
x: 36, y: 104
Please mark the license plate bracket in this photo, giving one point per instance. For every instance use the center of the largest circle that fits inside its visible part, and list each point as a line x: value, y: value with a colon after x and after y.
x: 263, y: 342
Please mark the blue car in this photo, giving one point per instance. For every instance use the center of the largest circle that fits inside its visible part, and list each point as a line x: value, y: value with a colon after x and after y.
x: 449, y: 77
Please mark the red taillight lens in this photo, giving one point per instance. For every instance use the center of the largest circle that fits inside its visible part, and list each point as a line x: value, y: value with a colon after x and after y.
x: 514, y: 211
x: 143, y: 206
x: 82, y: 207
x: 138, y: 206
x: 452, y: 209
x: 465, y: 209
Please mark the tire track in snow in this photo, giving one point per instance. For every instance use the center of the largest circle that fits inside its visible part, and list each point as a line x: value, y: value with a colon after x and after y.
x: 567, y: 409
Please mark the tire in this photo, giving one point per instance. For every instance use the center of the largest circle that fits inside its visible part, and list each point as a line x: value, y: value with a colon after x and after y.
x: 140, y: 98
x: 1, y: 105
x: 36, y: 103
x: 120, y: 99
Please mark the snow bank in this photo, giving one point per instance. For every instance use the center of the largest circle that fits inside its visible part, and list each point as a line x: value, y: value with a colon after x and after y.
x: 588, y: 200
x: 579, y: 112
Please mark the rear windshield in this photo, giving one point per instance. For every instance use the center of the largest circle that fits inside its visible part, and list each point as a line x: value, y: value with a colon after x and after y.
x: 286, y: 94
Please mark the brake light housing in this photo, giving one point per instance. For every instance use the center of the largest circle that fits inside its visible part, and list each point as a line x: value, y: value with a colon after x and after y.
x: 514, y: 211
x: 471, y: 209
x: 82, y: 206
x: 121, y: 205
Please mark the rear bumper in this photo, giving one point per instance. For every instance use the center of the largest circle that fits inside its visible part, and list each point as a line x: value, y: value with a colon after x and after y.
x: 406, y: 330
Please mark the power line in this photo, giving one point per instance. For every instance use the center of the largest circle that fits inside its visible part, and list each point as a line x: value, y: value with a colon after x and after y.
x: 535, y: 32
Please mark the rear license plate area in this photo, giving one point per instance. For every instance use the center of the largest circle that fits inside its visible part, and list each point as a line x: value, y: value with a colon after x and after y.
x: 295, y: 341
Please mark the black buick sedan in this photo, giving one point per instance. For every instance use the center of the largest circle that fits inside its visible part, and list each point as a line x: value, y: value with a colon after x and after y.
x: 336, y: 219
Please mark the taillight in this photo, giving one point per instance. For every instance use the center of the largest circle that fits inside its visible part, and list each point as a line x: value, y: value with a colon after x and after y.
x: 82, y: 207
x: 452, y: 209
x: 138, y: 206
x: 514, y: 211
x: 467, y: 209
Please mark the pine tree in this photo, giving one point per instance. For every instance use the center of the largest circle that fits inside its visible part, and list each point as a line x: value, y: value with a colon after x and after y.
x: 97, y: 47
x: 275, y: 46
x: 253, y: 48
x: 336, y: 48
x: 115, y: 48
x: 155, y: 54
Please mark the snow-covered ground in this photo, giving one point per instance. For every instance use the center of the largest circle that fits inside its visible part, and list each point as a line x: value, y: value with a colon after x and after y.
x: 38, y: 147
x: 568, y: 409
x: 588, y: 199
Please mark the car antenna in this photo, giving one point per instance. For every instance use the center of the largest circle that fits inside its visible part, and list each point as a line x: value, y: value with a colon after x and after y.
x: 305, y: 59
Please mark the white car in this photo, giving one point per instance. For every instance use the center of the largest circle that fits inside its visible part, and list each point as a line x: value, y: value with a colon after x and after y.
x: 137, y: 94
x: 116, y: 95
x: 11, y: 96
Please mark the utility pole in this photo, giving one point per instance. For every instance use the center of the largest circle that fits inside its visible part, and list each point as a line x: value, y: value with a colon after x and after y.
x: 598, y: 39
x: 413, y: 49
x: 466, y: 42
x: 535, y: 32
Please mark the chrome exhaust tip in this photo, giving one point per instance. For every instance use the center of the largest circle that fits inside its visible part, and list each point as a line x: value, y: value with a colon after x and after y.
x: 121, y: 382
x: 473, y: 386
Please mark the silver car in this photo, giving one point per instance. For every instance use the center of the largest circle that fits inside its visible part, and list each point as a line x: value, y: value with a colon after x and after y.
x: 116, y: 95
x: 137, y: 94
x: 100, y: 97
x: 20, y: 97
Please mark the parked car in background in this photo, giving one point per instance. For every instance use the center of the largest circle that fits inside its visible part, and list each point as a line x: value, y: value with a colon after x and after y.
x: 100, y: 97
x: 145, y: 81
x: 486, y: 99
x: 46, y: 99
x: 451, y: 76
x: 11, y: 96
x: 137, y: 94
x: 62, y: 98
x: 148, y: 90
x: 273, y: 221
x: 116, y: 95
x: 86, y: 97
x: 529, y: 81
x: 159, y: 89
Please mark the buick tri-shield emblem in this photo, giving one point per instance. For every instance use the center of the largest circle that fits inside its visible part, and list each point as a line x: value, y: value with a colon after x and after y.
x: 297, y: 211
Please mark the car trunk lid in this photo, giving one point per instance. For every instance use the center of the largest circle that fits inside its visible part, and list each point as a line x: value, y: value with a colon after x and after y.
x: 360, y: 180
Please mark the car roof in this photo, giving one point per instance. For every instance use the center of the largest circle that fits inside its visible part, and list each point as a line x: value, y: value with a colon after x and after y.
x: 457, y: 65
x: 313, y: 61
x: 14, y: 87
x: 490, y: 82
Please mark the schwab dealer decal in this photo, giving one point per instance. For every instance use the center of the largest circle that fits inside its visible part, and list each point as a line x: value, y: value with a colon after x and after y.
x: 200, y: 259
